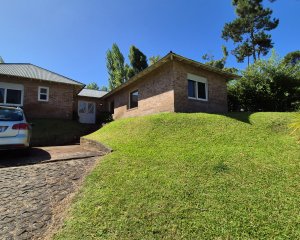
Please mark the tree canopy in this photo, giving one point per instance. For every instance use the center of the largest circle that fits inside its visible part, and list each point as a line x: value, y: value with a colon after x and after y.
x: 267, y: 85
x: 292, y: 58
x: 249, y: 30
x: 115, y: 64
x: 93, y: 86
x: 138, y: 60
x: 154, y: 59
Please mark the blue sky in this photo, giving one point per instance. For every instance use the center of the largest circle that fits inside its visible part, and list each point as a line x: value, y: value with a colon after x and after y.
x: 71, y: 37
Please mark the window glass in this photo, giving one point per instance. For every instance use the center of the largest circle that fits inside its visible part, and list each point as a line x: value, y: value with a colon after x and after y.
x: 82, y: 107
x: 11, y: 115
x: 201, y: 90
x: 134, y: 97
x: 13, y: 96
x: 1, y: 95
x: 43, y: 90
x: 191, y: 88
x: 91, y: 108
x: 43, y: 97
x: 112, y: 107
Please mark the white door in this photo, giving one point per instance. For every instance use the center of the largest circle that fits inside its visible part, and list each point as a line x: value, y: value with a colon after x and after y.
x: 87, y: 112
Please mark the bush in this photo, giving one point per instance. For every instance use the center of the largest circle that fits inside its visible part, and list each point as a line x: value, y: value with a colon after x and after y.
x: 266, y: 85
x: 104, y: 117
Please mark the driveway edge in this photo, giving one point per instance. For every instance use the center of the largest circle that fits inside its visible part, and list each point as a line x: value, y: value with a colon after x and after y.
x: 94, y: 145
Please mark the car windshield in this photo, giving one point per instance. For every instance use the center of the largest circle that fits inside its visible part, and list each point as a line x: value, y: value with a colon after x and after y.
x: 11, y: 115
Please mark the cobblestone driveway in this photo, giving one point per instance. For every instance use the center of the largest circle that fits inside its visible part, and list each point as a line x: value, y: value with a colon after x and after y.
x: 31, y: 196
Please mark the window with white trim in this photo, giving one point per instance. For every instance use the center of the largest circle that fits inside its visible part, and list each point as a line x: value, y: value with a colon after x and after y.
x: 11, y: 94
x: 43, y: 94
x: 197, y: 87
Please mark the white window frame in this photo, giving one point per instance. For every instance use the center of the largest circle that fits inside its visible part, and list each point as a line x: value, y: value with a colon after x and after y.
x: 197, y: 79
x: 47, y: 94
x: 12, y: 86
x: 129, y: 100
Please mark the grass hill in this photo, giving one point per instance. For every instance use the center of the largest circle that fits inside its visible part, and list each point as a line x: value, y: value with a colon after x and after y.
x: 192, y: 176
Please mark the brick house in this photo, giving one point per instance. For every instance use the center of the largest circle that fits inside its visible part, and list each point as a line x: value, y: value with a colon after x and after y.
x: 45, y: 94
x: 173, y: 84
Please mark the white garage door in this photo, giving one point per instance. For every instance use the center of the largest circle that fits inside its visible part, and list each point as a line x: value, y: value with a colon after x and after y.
x: 87, y: 112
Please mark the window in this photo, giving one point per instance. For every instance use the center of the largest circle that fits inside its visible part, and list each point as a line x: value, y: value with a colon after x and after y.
x: 43, y: 94
x: 112, y: 107
x: 197, y: 87
x: 2, y: 95
x: 133, y: 99
x: 11, y: 94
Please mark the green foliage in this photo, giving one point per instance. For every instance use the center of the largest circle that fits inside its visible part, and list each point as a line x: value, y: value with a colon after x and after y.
x: 154, y: 59
x: 192, y: 176
x: 104, y: 88
x: 266, y: 85
x: 248, y: 30
x: 138, y: 60
x: 292, y: 58
x: 216, y: 63
x: 129, y: 72
x: 115, y: 64
x: 1, y: 60
x: 93, y: 86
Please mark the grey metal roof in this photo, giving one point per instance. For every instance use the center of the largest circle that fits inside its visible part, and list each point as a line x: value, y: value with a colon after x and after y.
x: 91, y: 93
x: 31, y: 71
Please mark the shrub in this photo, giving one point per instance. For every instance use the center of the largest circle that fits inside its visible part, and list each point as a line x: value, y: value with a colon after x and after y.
x: 266, y: 85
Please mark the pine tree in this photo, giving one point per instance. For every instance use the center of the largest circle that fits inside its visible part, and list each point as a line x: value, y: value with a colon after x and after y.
x: 248, y: 30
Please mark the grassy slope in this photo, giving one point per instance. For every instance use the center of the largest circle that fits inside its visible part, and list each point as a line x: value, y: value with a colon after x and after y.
x: 192, y: 176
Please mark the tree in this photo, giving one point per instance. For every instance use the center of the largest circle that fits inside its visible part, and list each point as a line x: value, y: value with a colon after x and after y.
x: 138, y: 60
x: 267, y: 85
x: 248, y: 30
x: 115, y: 66
x: 154, y: 59
x: 216, y: 63
x: 93, y: 86
x: 1, y: 60
x: 104, y: 88
x: 219, y: 63
x: 292, y: 58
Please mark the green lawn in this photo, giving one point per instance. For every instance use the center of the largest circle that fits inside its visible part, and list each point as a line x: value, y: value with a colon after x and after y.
x: 47, y: 132
x: 192, y: 176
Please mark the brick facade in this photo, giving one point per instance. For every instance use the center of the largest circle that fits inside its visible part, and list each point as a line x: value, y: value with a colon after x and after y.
x: 217, y: 90
x: 166, y: 90
x: 156, y: 94
x: 61, y: 97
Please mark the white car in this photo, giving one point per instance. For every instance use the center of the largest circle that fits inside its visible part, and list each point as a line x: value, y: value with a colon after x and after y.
x: 15, y: 131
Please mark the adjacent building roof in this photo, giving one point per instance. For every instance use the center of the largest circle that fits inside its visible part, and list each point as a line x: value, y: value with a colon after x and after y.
x: 91, y: 93
x: 31, y: 71
x: 170, y: 57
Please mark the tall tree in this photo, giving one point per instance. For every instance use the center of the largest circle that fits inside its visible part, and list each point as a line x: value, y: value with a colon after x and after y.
x: 292, y: 58
x: 93, y: 86
x: 104, y: 88
x: 248, y: 30
x: 138, y: 60
x: 1, y: 60
x: 154, y: 59
x: 216, y: 63
x: 115, y: 64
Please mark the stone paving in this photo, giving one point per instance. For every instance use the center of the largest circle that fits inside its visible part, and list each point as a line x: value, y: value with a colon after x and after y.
x: 31, y: 195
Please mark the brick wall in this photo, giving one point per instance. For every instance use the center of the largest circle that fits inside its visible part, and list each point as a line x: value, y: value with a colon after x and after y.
x: 61, y: 97
x: 156, y: 94
x: 217, y: 90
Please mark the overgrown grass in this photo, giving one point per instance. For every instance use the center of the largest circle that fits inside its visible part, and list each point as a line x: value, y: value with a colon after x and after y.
x: 192, y: 176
